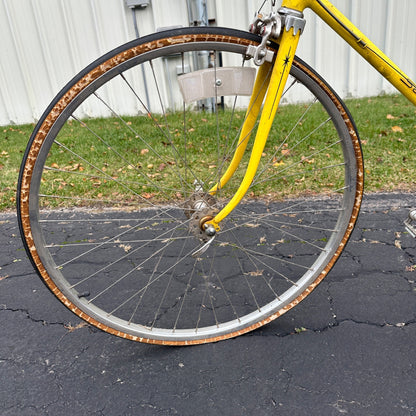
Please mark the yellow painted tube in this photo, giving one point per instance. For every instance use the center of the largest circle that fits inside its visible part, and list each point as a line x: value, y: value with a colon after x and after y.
x: 370, y: 52
x: 259, y: 91
x: 358, y: 41
x: 281, y: 69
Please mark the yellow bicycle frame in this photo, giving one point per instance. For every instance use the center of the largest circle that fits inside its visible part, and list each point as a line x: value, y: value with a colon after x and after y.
x: 288, y: 42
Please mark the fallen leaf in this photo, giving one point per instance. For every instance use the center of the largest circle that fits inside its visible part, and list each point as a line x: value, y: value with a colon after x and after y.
x: 249, y: 225
x: 307, y: 160
x: 397, y: 129
x: 125, y: 247
x: 72, y: 328
x: 255, y: 273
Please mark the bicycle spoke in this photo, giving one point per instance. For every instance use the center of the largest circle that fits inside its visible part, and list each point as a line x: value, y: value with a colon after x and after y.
x: 226, y: 294
x: 128, y: 273
x: 256, y: 270
x: 137, y: 135
x: 302, y: 240
x: 118, y: 260
x: 292, y: 224
x: 285, y: 141
x: 176, y: 154
x: 143, y: 292
x: 165, y: 292
x: 129, y: 189
x: 128, y: 163
x: 207, y: 293
x: 298, y: 162
x: 188, y: 287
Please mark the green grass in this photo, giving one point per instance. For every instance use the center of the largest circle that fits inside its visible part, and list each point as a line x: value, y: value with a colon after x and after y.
x: 13, y: 141
x: 387, y: 127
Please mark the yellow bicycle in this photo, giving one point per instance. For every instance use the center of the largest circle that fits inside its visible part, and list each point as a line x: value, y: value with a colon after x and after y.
x: 215, y: 207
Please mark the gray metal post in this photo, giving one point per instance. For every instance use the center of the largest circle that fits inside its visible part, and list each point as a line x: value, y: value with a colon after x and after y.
x: 198, y: 16
x: 197, y: 12
x: 141, y: 4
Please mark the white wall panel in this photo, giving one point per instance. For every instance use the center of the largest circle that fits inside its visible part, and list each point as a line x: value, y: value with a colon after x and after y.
x: 44, y: 43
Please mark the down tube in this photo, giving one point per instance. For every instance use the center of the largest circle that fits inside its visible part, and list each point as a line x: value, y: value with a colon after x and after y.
x: 371, y: 53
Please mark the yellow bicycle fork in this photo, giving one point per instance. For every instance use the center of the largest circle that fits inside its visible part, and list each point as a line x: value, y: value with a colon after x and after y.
x: 273, y: 83
x: 292, y: 10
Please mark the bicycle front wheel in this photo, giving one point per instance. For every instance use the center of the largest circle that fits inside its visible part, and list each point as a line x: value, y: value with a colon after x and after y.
x: 116, y: 179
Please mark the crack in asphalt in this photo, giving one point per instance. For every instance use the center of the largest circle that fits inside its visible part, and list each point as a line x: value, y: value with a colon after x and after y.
x: 336, y: 324
x: 28, y: 316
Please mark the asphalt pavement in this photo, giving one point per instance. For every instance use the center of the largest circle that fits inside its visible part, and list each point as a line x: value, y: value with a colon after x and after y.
x: 348, y: 349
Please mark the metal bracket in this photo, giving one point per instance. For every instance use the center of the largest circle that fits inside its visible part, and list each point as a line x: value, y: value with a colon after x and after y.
x: 292, y: 19
x: 137, y: 3
x: 271, y: 28
x: 259, y: 55
x: 268, y: 28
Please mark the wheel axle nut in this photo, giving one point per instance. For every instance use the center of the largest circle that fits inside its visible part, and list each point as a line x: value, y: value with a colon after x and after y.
x: 209, y: 230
